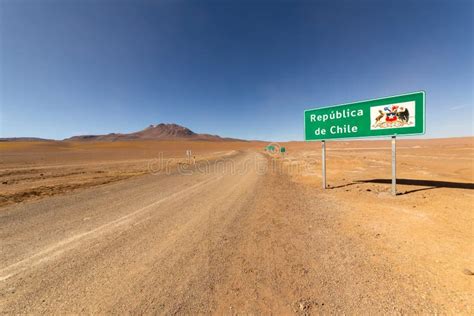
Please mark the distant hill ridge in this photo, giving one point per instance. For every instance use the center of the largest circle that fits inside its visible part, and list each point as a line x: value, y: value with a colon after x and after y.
x: 24, y: 139
x: 160, y: 131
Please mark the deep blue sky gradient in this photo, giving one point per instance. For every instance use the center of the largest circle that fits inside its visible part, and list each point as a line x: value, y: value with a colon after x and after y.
x: 242, y: 69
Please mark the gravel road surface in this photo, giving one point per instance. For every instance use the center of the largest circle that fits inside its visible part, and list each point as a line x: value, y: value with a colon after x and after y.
x: 237, y: 238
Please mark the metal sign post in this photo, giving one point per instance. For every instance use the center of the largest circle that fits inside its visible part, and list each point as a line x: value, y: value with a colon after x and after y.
x: 323, y: 162
x: 394, y: 165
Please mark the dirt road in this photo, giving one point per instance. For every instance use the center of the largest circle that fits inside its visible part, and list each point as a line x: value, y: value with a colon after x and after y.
x: 238, y: 237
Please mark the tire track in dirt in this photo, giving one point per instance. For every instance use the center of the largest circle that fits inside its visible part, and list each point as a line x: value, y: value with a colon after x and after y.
x: 66, y: 244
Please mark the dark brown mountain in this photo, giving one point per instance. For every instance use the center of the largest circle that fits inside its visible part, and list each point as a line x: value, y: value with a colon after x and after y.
x: 159, y: 132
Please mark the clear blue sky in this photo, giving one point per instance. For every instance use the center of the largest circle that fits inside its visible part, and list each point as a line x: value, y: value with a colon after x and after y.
x: 242, y: 69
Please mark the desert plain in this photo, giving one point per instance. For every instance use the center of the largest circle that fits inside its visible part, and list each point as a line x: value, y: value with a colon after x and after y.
x: 138, y: 227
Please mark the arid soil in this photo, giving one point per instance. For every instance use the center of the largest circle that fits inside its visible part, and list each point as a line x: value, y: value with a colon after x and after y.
x: 32, y: 170
x: 240, y: 231
x: 426, y: 231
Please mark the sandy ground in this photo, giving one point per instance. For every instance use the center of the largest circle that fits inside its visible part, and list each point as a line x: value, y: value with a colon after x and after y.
x: 32, y: 170
x: 247, y: 232
x: 426, y: 231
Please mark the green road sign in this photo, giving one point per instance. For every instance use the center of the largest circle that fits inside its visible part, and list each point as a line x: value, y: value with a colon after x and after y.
x: 282, y: 149
x: 396, y: 115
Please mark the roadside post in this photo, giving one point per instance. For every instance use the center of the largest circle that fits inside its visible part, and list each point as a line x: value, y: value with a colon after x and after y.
x: 394, y: 116
x: 394, y: 165
x: 282, y: 151
x: 189, y: 154
x: 323, y: 162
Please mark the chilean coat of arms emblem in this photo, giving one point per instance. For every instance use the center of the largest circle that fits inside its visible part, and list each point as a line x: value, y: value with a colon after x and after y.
x: 392, y: 116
